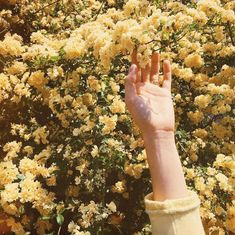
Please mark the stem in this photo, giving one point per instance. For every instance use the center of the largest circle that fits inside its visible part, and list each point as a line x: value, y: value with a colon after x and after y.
x: 8, y: 28
x: 231, y: 34
x: 170, y: 42
x: 99, y: 10
x: 58, y: 233
x: 178, y: 143
x: 46, y: 6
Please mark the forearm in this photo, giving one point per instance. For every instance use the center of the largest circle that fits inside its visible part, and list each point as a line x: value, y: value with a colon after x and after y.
x: 165, y: 167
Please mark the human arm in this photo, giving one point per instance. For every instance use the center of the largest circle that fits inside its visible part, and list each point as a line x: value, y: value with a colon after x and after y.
x: 172, y: 208
x: 152, y: 109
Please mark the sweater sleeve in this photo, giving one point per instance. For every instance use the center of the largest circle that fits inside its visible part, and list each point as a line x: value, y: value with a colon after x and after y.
x: 179, y: 216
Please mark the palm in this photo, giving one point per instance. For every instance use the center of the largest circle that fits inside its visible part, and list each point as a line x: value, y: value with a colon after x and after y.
x: 153, y: 109
x: 150, y: 105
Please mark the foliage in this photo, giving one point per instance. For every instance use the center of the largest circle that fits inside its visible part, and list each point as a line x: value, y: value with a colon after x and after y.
x: 72, y: 160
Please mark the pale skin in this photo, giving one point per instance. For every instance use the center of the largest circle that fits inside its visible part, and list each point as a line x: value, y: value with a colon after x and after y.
x: 151, y: 108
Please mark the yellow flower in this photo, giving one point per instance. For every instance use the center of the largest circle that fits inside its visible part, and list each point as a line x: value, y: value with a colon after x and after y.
x: 114, y: 86
x: 202, y: 101
x: 12, y: 149
x: 201, y: 133
x: 230, y: 221
x: 74, y: 47
x: 228, y: 16
x: 109, y: 123
x: 219, y: 33
x: 119, y: 187
x: 95, y: 151
x: 4, y: 82
x: 17, y: 68
x: 37, y: 79
x: 186, y: 74
x: 200, y: 183
x: 8, y: 172
x: 194, y: 60
x: 51, y: 181
x: 221, y: 131
x: 210, y: 7
x: 191, y: 173
x: 196, y: 116
x: 11, y: 45
x: 118, y: 106
x: 193, y: 157
x: 93, y: 83
x: 10, y: 193
x: 134, y: 170
x: 201, y: 79
x: 223, y: 182
x: 112, y: 206
x: 87, y: 99
x: 211, y: 182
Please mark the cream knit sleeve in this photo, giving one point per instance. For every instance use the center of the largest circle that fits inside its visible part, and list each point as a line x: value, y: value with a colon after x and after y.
x: 175, y: 216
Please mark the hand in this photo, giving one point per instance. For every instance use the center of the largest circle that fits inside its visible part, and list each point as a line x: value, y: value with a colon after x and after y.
x: 150, y: 105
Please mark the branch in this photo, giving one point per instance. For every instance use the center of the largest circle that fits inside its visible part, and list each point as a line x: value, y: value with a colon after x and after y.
x: 231, y: 34
x: 58, y: 233
x: 8, y: 28
x: 170, y: 42
x: 99, y: 10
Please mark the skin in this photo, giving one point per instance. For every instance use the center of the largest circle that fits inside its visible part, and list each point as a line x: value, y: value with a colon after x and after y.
x: 151, y: 108
x: 150, y: 105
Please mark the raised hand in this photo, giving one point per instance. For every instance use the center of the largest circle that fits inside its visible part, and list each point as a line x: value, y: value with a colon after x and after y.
x: 150, y: 105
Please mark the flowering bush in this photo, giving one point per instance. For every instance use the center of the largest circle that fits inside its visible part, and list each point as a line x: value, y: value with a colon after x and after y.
x: 72, y: 160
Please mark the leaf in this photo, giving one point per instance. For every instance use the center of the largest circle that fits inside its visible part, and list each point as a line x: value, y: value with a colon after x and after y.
x: 20, y: 176
x: 54, y: 58
x: 45, y: 217
x: 21, y: 210
x: 60, y: 219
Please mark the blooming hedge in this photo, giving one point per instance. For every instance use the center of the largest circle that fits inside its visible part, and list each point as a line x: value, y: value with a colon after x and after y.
x: 72, y: 160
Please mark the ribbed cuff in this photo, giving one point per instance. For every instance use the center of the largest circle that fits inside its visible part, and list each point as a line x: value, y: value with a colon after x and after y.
x: 171, y: 206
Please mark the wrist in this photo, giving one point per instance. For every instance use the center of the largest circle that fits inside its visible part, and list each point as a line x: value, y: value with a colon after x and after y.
x: 159, y: 136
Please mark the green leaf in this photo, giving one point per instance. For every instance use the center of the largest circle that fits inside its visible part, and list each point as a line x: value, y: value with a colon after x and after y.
x: 62, y: 52
x: 60, y: 219
x: 45, y: 217
x: 21, y: 210
x: 20, y: 176
x: 54, y: 58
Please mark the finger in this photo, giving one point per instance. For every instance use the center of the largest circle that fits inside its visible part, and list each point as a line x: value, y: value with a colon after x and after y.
x: 166, y: 75
x: 145, y: 72
x: 155, y: 66
x: 134, y: 61
x: 130, y: 89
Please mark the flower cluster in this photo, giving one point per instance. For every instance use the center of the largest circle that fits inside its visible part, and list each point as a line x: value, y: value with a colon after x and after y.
x: 72, y: 158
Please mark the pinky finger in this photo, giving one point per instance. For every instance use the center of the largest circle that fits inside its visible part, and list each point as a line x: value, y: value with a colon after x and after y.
x: 134, y: 61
